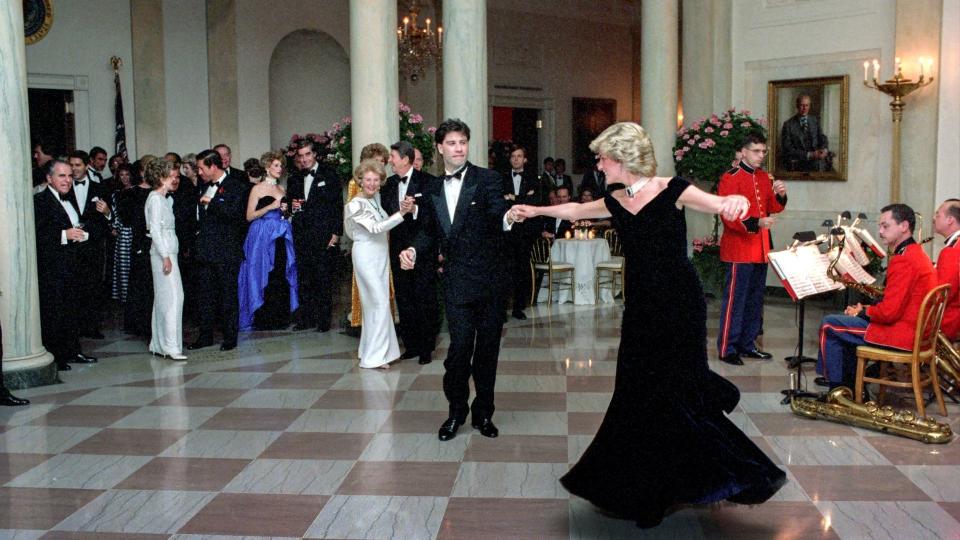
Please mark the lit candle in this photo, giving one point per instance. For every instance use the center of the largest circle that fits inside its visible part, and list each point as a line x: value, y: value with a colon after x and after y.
x: 921, y: 66
x: 930, y: 67
x: 876, y: 68
x: 428, y: 25
x: 406, y: 22
x: 896, y: 66
x: 866, y: 64
x: 440, y: 35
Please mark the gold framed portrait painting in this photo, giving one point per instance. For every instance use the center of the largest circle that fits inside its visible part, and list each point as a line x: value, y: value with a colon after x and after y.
x: 808, y: 128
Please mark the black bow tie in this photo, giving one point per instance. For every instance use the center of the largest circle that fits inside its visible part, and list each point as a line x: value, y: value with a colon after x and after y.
x: 458, y: 175
x: 80, y: 182
x: 311, y: 173
x: 65, y: 197
x: 168, y: 194
x: 404, y: 179
x: 518, y: 173
x: 215, y: 184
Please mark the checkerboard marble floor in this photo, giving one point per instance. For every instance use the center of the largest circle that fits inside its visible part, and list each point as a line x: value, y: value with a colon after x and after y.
x: 286, y: 438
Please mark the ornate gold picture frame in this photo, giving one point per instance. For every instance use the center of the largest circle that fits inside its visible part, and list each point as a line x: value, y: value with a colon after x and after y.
x: 810, y: 146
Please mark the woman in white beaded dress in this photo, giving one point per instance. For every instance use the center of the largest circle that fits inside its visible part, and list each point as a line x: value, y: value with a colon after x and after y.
x: 365, y: 222
x: 167, y: 321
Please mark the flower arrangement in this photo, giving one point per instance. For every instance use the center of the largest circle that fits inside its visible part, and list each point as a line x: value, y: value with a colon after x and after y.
x: 707, y: 148
x: 336, y: 143
x: 706, y: 261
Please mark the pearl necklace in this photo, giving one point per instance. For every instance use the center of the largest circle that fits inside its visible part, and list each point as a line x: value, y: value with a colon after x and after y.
x: 637, y: 186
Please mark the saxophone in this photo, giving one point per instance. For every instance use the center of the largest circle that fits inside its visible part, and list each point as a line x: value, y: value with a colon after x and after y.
x: 840, y: 407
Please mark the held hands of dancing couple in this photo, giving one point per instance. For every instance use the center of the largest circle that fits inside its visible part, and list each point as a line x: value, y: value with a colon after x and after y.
x: 730, y: 207
x: 408, y: 257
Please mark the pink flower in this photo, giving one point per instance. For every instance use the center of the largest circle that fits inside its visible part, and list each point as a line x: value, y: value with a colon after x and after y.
x: 728, y: 125
x: 703, y: 145
x: 696, y: 137
x: 431, y: 130
x: 294, y: 138
x: 416, y: 119
x: 763, y: 122
x: 404, y: 108
x: 347, y: 120
x: 745, y: 124
x: 690, y: 142
x: 686, y: 136
x: 336, y: 126
x: 695, y: 126
x: 343, y: 140
x: 746, y: 112
x: 708, y: 130
x: 409, y: 134
x: 724, y: 133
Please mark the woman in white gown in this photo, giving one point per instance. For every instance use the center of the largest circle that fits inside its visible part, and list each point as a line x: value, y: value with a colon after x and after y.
x: 167, y: 322
x: 367, y: 224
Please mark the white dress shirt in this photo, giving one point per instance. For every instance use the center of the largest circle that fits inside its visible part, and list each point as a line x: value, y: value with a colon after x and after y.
x: 80, y: 192
x: 211, y: 191
x: 71, y: 213
x: 517, y: 179
x: 308, y: 182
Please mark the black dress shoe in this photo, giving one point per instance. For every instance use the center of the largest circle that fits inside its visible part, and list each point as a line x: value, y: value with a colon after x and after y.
x: 200, y: 344
x: 228, y: 345
x: 323, y: 328
x: 519, y: 315
x: 732, y: 359
x: 82, y: 359
x: 9, y: 400
x: 425, y: 359
x: 821, y: 381
x: 757, y: 353
x: 299, y: 327
x: 486, y: 428
x: 448, y: 429
x: 408, y: 354
x: 63, y: 366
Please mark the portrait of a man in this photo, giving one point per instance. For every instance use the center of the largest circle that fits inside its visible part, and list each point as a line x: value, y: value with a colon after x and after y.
x: 804, y: 147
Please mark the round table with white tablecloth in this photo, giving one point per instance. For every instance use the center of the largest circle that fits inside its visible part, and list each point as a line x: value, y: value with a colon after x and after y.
x: 584, y: 255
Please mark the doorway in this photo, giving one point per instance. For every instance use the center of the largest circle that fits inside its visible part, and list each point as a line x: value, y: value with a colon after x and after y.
x: 519, y: 125
x: 52, y: 119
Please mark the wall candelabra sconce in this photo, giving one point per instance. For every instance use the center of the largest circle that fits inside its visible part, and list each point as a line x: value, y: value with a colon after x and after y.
x: 898, y: 88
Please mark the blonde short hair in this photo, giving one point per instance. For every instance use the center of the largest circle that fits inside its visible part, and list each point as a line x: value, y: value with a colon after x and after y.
x: 369, y: 165
x: 627, y: 143
x: 374, y: 150
x: 156, y: 171
x: 267, y: 159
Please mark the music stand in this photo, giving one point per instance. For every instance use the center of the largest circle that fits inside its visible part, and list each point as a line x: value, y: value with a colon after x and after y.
x: 796, y: 362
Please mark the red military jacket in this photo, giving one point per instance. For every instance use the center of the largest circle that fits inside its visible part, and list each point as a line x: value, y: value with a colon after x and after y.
x: 743, y: 241
x: 948, y: 271
x: 910, y: 276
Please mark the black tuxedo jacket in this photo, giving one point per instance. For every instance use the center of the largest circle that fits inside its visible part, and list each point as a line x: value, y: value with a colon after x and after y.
x: 550, y: 225
x: 421, y: 186
x: 222, y: 224
x: 530, y: 193
x: 473, y: 244
x: 94, y: 223
x: 321, y: 215
x: 185, y: 201
x: 131, y: 204
x: 595, y: 181
x: 55, y: 260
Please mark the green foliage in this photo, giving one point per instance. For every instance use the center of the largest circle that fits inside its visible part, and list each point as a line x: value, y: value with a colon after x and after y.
x: 708, y: 147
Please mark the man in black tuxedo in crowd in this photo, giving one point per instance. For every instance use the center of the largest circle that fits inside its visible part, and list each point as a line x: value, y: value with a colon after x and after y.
x: 466, y: 218
x: 6, y: 398
x: 595, y: 181
x: 416, y: 289
x: 226, y: 157
x: 519, y: 187
x: 219, y: 250
x: 98, y: 163
x: 556, y: 227
x: 93, y: 202
x: 562, y: 178
x: 317, y: 202
x: 59, y: 241
x: 42, y: 154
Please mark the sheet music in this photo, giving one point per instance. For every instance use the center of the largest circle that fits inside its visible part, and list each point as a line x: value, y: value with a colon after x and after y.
x: 851, y: 269
x: 804, y: 271
x: 867, y: 238
x: 853, y: 247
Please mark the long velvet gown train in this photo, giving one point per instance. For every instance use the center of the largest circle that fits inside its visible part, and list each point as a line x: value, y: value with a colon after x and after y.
x: 665, y: 439
x: 268, y: 272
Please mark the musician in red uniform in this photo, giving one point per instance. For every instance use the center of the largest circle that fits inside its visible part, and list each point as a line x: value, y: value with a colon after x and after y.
x: 946, y: 223
x: 890, y: 323
x: 743, y: 250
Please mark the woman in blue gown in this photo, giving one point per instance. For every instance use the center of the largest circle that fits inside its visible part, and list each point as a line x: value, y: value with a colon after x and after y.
x: 665, y: 440
x: 267, y: 286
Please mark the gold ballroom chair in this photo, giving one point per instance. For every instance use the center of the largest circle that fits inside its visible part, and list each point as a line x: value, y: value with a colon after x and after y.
x: 923, y: 354
x: 559, y: 274
x: 609, y: 274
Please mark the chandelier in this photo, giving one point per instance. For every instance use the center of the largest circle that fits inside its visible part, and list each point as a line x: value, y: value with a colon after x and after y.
x: 418, y: 47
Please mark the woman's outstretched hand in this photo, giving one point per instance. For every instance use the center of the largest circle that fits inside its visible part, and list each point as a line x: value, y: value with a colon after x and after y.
x: 734, y: 207
x: 525, y: 211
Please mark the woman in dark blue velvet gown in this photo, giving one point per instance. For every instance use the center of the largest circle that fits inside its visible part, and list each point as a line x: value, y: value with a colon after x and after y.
x: 665, y: 440
x: 267, y: 286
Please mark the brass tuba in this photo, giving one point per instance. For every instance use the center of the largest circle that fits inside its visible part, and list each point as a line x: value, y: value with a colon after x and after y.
x: 840, y: 407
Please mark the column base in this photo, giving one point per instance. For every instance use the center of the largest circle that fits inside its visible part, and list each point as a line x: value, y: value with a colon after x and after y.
x: 37, y: 370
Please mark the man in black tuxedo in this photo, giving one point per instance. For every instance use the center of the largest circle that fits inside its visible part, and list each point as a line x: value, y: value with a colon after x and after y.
x: 317, y: 202
x: 226, y: 157
x: 93, y: 202
x: 595, y: 181
x: 556, y: 227
x: 416, y: 289
x: 42, y: 154
x: 466, y: 218
x: 219, y: 250
x: 562, y: 178
x: 519, y: 187
x: 59, y: 241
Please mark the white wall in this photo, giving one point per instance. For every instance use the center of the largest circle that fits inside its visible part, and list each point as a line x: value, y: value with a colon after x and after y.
x: 185, y: 75
x: 260, y: 26
x: 80, y: 43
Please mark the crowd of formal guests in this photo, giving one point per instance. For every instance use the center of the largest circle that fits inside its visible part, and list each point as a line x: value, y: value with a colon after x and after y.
x: 175, y: 240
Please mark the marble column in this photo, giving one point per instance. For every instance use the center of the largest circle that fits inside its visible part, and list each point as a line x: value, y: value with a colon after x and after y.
x: 25, y: 361
x: 149, y: 89
x: 659, y: 55
x: 222, y: 73
x: 465, y: 94
x: 374, y: 86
